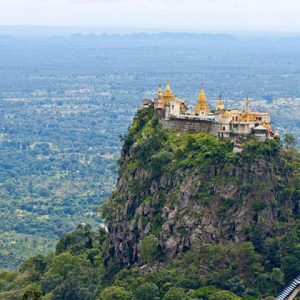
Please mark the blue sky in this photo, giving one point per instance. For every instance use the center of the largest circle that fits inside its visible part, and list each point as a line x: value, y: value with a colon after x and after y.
x: 203, y: 15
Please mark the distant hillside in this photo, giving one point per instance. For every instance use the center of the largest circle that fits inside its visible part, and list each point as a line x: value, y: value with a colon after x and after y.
x: 189, y: 219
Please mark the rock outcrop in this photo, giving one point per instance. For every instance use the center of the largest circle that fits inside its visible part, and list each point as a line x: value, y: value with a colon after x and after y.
x: 187, y: 200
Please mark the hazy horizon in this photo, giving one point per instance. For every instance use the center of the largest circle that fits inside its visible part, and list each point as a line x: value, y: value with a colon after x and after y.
x: 64, y: 31
x: 162, y: 15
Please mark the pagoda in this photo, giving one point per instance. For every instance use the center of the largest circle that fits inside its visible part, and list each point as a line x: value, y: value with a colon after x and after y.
x: 201, y: 107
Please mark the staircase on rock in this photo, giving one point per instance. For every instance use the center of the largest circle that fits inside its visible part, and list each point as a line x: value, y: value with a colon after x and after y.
x: 291, y: 291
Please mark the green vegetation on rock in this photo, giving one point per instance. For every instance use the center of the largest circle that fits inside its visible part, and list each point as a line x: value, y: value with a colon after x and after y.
x: 189, y: 219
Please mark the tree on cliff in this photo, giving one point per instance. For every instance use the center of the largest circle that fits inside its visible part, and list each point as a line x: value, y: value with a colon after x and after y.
x: 189, y: 219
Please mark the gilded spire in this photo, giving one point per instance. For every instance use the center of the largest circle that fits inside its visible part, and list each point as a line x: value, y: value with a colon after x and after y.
x: 246, y: 116
x: 159, y: 92
x: 168, y: 95
x: 202, y: 107
x: 220, y: 105
x: 202, y: 96
x: 247, y: 105
x: 168, y: 87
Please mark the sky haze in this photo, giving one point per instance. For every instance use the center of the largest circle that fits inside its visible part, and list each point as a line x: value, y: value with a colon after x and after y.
x: 203, y: 15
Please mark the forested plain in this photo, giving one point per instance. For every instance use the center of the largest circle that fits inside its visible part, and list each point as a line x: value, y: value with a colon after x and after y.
x: 66, y: 101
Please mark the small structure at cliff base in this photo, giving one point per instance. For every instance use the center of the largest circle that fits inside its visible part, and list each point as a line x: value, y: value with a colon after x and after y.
x: 221, y: 122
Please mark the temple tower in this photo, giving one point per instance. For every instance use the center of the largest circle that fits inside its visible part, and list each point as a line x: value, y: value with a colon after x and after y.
x: 168, y: 95
x: 202, y: 108
x: 159, y: 93
x: 220, y: 105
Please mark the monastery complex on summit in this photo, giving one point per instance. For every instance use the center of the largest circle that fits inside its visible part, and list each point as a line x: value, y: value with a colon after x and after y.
x: 222, y: 122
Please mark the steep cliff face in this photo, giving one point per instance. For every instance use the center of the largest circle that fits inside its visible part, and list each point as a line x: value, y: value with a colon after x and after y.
x: 188, y: 189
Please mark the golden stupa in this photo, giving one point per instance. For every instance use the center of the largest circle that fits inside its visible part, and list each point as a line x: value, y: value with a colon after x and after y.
x: 160, y: 93
x: 168, y: 95
x: 246, y: 116
x: 220, y: 105
x: 202, y: 107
